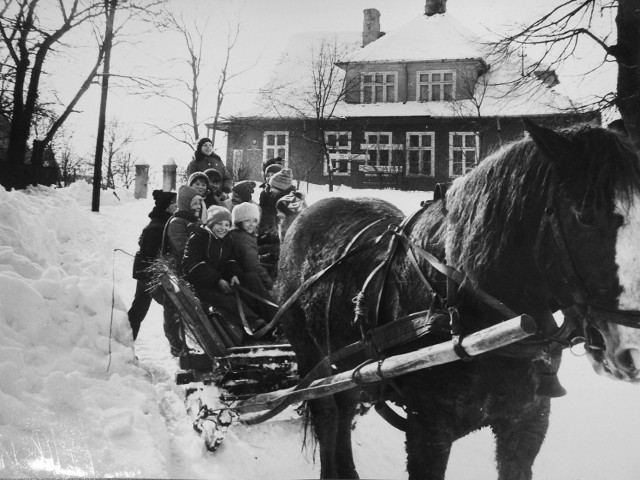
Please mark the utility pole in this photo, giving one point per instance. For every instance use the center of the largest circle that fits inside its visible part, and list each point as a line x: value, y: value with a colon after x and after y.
x: 110, y: 10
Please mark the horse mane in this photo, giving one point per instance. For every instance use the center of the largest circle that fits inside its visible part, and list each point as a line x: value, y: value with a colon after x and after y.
x: 487, y: 207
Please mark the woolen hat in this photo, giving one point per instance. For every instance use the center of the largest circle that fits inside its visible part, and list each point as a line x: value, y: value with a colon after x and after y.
x: 163, y: 199
x: 213, y: 175
x: 198, y: 176
x: 272, y: 169
x: 185, y: 195
x: 244, y: 189
x: 201, y: 142
x: 216, y: 214
x: 245, y: 211
x: 282, y: 179
x: 272, y: 161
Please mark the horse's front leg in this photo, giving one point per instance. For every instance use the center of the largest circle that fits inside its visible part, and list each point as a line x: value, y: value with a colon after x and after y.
x: 428, y: 448
x: 518, y: 441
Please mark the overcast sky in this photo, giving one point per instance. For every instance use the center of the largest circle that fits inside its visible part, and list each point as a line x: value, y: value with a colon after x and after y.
x: 266, y: 26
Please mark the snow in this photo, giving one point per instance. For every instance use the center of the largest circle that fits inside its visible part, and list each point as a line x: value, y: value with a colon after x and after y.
x: 76, y: 402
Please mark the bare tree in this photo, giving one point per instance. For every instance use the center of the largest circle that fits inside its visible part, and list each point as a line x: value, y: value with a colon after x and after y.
x: 187, y: 89
x: 324, y: 87
x: 71, y: 165
x: 31, y: 33
x: 124, y: 169
x: 116, y: 145
x: 559, y: 33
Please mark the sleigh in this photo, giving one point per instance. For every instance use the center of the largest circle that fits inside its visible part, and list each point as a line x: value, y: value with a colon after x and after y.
x: 259, y: 380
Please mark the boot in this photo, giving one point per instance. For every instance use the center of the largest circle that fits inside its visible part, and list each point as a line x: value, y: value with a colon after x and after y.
x: 550, y: 386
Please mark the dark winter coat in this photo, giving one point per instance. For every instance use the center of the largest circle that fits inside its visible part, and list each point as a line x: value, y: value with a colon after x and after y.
x: 176, y: 233
x: 150, y: 243
x: 247, y: 252
x: 207, y: 259
x: 202, y: 162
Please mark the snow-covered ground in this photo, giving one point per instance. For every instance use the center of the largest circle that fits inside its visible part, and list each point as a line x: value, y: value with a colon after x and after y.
x: 74, y: 401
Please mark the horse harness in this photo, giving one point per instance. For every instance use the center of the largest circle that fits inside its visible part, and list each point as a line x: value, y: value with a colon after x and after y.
x: 443, y: 320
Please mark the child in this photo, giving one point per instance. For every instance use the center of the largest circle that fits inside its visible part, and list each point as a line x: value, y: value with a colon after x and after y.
x: 255, y: 277
x: 210, y: 265
x: 215, y: 196
x: 241, y: 192
x: 150, y: 243
x: 280, y: 184
x: 200, y: 182
x: 204, y: 158
x: 176, y: 233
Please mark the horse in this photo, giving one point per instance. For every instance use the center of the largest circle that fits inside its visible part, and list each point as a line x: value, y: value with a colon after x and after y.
x: 548, y: 223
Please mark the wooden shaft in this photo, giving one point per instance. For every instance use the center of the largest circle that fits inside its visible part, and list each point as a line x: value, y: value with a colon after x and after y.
x: 496, y: 336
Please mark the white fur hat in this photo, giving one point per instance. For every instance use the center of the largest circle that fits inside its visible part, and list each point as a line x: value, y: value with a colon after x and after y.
x: 245, y: 211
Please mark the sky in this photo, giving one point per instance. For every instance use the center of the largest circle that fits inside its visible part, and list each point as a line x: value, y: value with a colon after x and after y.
x: 79, y: 399
x: 265, y: 29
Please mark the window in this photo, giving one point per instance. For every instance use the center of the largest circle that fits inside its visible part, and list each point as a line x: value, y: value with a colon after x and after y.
x: 435, y: 86
x: 379, y: 150
x: 379, y: 87
x: 339, y: 146
x: 463, y: 152
x: 276, y: 144
x: 420, y: 154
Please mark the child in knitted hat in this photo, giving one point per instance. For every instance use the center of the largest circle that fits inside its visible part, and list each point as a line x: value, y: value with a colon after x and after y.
x: 176, y: 232
x: 241, y: 192
x: 150, y: 243
x: 204, y: 158
x: 254, y: 277
x: 210, y: 264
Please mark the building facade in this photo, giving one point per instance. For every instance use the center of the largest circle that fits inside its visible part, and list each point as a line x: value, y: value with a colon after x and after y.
x: 418, y: 106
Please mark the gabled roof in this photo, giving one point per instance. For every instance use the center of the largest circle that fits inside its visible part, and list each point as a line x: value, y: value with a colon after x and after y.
x: 424, y: 39
x: 437, y: 37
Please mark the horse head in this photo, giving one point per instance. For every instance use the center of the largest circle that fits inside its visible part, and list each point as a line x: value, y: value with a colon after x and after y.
x: 590, y: 229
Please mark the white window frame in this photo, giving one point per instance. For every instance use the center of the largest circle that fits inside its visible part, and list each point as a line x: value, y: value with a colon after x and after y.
x: 339, y: 149
x: 372, y: 84
x: 265, y: 148
x: 463, y: 149
x: 420, y: 149
x: 429, y: 84
x: 378, y: 147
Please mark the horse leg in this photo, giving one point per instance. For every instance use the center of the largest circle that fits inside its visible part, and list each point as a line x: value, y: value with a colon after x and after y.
x: 324, y: 418
x: 428, y: 448
x: 346, y: 402
x: 518, y: 442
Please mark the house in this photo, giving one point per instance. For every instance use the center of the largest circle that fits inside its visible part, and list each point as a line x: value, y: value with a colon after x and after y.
x: 407, y: 109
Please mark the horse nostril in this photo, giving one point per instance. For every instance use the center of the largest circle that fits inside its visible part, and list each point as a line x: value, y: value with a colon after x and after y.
x: 629, y: 359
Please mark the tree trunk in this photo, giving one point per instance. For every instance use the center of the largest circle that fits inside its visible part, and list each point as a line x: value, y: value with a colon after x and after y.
x: 627, y: 54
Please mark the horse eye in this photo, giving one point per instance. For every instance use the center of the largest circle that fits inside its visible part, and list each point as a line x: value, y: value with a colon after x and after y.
x: 587, y: 218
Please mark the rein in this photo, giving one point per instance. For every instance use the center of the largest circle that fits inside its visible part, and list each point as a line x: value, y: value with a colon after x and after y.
x: 582, y: 307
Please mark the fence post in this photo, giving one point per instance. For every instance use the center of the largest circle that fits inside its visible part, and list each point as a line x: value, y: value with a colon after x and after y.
x: 142, y: 180
x: 169, y: 175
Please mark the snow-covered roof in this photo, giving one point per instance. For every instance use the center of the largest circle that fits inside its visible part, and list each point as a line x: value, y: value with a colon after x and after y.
x: 424, y: 38
x: 289, y: 93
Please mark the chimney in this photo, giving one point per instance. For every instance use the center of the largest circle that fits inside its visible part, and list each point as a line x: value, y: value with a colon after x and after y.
x: 370, y: 26
x: 431, y: 7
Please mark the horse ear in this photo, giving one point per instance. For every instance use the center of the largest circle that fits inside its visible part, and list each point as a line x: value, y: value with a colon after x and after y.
x: 555, y: 146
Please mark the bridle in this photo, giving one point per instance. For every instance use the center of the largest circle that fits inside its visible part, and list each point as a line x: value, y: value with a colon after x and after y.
x: 582, y: 308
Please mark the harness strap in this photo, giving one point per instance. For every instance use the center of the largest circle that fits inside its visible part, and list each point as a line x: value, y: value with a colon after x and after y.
x: 459, y: 278
x: 314, y: 278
